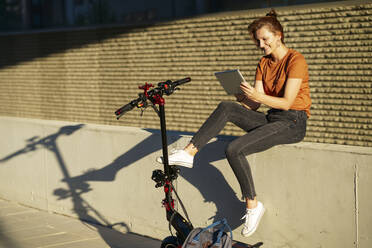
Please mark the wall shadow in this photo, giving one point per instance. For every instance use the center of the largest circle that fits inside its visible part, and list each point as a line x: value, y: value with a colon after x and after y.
x: 108, y: 173
x: 6, y: 240
x: 213, y: 186
x: 205, y: 177
x: 20, y: 47
x: 210, y: 182
x: 85, y: 211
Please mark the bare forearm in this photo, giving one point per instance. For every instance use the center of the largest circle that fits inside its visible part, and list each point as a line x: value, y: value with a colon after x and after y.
x: 274, y: 102
x: 257, y: 94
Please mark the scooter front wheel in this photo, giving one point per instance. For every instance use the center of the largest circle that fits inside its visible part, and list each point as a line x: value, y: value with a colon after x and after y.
x: 170, y: 242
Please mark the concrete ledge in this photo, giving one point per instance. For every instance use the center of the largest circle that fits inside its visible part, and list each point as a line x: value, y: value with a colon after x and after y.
x: 316, y: 195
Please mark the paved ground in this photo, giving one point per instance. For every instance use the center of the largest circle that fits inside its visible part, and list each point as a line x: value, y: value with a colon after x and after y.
x: 23, y: 227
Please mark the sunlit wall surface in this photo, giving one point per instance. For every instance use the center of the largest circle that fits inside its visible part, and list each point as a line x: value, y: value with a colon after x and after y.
x: 84, y: 75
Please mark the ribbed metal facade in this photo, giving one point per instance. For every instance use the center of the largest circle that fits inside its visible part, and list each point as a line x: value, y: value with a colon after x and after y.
x: 84, y: 75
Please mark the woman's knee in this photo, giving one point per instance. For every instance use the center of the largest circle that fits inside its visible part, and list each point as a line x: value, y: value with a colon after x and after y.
x: 226, y: 105
x: 239, y: 148
x: 231, y: 151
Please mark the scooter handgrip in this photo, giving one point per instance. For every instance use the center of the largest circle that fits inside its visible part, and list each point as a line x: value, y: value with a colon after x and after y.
x: 124, y: 109
x: 181, y: 81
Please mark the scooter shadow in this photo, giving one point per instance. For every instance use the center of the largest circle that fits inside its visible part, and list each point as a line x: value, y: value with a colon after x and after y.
x: 204, y: 175
x: 212, y: 184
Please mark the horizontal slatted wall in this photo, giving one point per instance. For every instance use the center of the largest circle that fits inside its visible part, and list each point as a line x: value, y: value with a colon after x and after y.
x: 84, y: 75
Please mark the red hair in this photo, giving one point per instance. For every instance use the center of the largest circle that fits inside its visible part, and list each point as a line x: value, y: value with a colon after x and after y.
x: 270, y: 21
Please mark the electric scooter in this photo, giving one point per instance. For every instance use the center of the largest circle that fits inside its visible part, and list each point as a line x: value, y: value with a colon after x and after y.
x: 164, y: 178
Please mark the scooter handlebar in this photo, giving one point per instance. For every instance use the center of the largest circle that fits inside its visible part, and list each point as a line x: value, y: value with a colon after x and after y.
x: 128, y: 107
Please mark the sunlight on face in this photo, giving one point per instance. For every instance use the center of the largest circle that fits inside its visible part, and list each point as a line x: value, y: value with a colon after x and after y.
x: 267, y: 41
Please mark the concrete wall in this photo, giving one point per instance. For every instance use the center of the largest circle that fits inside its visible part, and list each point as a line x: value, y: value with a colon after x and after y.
x: 316, y: 195
x: 84, y: 75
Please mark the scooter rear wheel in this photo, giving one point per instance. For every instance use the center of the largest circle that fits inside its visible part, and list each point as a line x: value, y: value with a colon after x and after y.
x: 170, y: 242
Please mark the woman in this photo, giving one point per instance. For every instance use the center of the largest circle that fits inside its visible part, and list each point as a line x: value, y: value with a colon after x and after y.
x: 281, y: 83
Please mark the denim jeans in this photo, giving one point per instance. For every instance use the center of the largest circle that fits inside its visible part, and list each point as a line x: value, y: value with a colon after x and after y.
x: 263, y: 132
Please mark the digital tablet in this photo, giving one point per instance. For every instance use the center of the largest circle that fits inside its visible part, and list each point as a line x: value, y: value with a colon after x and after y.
x: 230, y: 81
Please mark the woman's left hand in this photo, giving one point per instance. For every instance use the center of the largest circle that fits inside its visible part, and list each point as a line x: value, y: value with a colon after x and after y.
x: 250, y: 91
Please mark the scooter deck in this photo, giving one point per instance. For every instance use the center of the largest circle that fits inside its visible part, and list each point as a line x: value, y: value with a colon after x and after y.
x: 237, y: 244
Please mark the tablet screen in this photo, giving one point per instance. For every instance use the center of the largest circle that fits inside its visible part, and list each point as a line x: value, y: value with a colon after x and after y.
x: 230, y: 81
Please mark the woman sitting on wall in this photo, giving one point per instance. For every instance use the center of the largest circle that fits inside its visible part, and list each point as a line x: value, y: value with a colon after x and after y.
x: 281, y: 83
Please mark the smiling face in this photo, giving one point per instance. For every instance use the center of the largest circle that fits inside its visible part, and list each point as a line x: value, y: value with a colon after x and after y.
x: 267, y: 40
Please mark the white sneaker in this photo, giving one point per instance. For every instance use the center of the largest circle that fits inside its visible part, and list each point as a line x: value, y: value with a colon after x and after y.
x: 252, y: 219
x: 179, y: 157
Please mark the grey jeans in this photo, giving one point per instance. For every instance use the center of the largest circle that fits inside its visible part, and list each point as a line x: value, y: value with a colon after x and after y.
x: 263, y: 132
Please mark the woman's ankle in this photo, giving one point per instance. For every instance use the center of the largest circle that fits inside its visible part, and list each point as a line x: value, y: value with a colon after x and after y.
x: 251, y: 203
x: 191, y: 149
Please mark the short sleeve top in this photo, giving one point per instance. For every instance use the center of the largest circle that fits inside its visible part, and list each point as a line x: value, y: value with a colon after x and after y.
x: 274, y: 76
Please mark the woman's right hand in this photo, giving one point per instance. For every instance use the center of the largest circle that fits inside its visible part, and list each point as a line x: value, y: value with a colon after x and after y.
x: 244, y: 100
x: 240, y: 97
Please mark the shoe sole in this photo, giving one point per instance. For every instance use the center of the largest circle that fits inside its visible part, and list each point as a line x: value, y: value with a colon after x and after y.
x: 177, y: 163
x: 255, y: 228
x: 180, y: 163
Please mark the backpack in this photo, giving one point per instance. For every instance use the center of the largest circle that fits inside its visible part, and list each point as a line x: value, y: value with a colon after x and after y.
x: 212, y: 236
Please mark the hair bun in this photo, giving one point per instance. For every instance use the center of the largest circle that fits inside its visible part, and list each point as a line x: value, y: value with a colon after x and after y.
x: 272, y: 13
